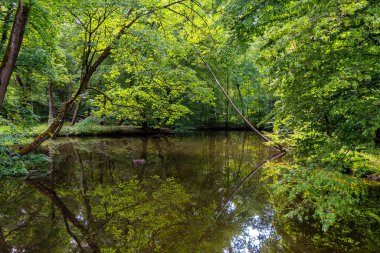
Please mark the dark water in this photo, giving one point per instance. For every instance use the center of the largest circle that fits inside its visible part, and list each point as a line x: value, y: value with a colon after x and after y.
x: 156, y: 194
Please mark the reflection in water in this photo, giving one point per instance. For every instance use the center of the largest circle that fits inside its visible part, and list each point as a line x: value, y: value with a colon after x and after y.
x: 252, y: 236
x: 186, y: 196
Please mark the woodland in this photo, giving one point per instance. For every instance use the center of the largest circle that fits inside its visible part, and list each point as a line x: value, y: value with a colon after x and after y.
x: 303, y: 74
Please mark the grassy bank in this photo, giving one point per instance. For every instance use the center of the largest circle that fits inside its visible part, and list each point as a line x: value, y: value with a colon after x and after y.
x: 92, y: 129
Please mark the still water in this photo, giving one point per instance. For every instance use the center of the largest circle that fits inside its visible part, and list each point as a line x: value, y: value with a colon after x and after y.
x: 151, y: 194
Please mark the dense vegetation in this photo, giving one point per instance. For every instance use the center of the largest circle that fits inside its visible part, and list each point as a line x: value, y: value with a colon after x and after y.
x: 308, y: 70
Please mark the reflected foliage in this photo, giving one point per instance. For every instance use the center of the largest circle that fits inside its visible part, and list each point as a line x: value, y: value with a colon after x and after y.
x: 101, y: 201
x: 178, y: 201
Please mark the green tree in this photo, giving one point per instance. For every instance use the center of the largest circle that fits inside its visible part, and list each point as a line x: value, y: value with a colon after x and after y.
x: 152, y: 81
x: 102, y: 26
x: 323, y: 66
x: 320, y: 59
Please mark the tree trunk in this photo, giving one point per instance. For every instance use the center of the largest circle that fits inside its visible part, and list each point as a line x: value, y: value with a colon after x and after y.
x: 103, y: 118
x: 241, y: 99
x: 144, y: 125
x: 13, y: 47
x: 3, y: 245
x: 57, y: 124
x: 51, y: 103
x: 75, y: 116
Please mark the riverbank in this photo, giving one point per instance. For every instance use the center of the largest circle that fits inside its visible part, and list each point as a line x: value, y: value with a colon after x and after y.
x: 95, y: 130
x: 368, y: 168
x: 91, y: 129
x: 99, y: 130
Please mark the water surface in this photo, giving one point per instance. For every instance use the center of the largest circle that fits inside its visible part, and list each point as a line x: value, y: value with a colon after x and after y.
x: 153, y: 194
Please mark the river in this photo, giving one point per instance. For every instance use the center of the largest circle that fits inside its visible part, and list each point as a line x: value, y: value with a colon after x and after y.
x: 152, y: 194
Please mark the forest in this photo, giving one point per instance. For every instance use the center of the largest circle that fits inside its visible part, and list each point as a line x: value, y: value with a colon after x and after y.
x: 189, y: 126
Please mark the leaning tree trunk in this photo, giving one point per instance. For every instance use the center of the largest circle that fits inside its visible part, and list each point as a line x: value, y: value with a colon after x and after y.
x: 76, y: 112
x: 13, y: 47
x: 246, y: 121
x: 57, y: 123
x: 51, y: 103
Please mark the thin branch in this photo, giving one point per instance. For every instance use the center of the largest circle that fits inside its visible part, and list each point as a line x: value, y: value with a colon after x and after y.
x: 77, y: 18
x: 101, y: 92
x: 186, y: 17
x: 122, y: 31
x: 199, y: 5
x: 103, y: 18
x: 196, y: 12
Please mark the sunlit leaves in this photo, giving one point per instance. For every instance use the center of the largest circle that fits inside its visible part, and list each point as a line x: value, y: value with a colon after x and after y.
x: 321, y: 59
x: 323, y: 64
x: 152, y: 80
x: 12, y: 164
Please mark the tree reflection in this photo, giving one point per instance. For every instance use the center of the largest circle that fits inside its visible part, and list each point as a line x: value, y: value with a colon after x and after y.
x: 105, y: 203
x: 196, y: 194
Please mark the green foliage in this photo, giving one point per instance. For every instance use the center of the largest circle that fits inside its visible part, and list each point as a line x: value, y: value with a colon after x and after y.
x: 145, y: 213
x: 327, y: 196
x: 152, y: 80
x: 313, y: 149
x: 309, y: 68
x: 11, y: 163
x: 13, y: 114
x: 154, y: 77
x: 323, y: 64
x: 309, y: 201
x: 321, y: 61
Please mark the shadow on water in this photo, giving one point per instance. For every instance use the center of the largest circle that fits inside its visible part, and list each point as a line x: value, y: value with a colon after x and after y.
x: 185, y: 194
